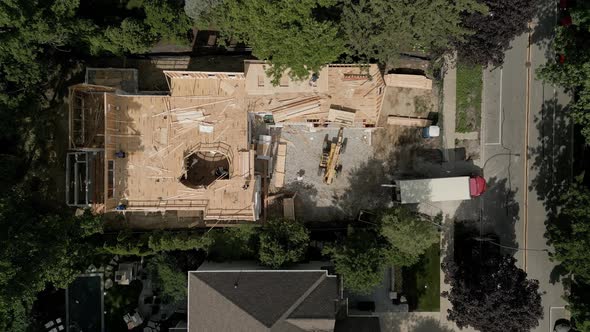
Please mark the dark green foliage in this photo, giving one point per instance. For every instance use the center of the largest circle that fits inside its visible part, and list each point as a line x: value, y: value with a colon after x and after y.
x: 39, y: 247
x: 131, y: 37
x: 196, y: 9
x: 31, y: 33
x: 234, y: 243
x: 574, y: 74
x: 151, y: 243
x: 382, y: 29
x: 569, y: 233
x: 359, y: 260
x: 408, y: 234
x: 400, y: 239
x: 579, y: 305
x: 286, y: 33
x: 488, y: 291
x: 494, y: 30
x: 282, y: 242
x: 167, y: 21
x: 168, y: 278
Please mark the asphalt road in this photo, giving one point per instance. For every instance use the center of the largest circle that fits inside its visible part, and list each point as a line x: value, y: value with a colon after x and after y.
x: 525, y: 156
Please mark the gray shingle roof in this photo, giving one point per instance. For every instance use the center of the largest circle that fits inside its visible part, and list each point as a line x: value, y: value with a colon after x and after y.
x: 316, y: 305
x: 261, y: 300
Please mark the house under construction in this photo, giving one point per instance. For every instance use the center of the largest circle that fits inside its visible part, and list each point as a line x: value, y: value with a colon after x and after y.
x: 198, y: 149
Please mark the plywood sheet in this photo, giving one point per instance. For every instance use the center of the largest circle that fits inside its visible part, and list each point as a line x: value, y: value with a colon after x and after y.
x: 408, y: 81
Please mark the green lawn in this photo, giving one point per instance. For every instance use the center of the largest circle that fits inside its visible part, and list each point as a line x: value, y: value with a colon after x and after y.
x: 421, y: 282
x: 469, y: 86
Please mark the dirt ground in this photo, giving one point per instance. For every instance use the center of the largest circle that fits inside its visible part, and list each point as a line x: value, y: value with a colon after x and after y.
x: 372, y: 157
x: 409, y: 102
x: 472, y: 148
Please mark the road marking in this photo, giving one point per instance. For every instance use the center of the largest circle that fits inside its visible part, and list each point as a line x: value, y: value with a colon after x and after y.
x: 499, y: 112
x: 526, y: 145
x: 550, y: 318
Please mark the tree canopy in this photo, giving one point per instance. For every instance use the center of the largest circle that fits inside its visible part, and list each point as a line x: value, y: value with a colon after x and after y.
x: 286, y: 33
x: 409, y: 235
x: 282, y: 242
x: 234, y: 243
x: 359, y: 260
x: 382, y: 29
x: 168, y: 278
x: 573, y: 71
x: 195, y: 9
x: 488, y: 291
x: 42, y: 248
x: 569, y: 233
x: 493, y: 30
x: 399, y: 239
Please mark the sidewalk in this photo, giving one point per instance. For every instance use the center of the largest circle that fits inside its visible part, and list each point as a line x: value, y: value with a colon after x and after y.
x: 448, y: 208
x: 449, y: 107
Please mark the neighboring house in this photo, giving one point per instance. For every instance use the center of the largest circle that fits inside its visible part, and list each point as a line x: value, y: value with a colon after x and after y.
x: 263, y: 300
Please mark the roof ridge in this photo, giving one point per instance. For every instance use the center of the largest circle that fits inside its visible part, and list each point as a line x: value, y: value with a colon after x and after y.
x: 300, y: 300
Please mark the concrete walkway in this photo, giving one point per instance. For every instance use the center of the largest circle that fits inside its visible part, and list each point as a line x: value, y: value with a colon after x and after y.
x: 449, y: 106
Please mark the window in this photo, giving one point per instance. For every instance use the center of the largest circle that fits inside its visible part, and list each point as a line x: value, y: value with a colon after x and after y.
x: 111, y: 179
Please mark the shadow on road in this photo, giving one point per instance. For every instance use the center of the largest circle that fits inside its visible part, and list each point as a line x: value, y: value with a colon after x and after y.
x: 551, y: 162
x: 542, y: 33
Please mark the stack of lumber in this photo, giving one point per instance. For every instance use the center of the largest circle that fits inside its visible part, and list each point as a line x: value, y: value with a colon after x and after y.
x: 279, y: 173
x: 408, y: 121
x: 408, y: 81
x: 296, y: 108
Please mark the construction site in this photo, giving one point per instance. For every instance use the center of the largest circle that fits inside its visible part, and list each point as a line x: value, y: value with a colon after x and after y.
x: 220, y: 148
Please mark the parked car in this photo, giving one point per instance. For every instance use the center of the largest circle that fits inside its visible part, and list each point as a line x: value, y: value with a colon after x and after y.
x: 562, y: 325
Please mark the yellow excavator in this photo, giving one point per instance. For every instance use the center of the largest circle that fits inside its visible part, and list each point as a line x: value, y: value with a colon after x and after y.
x: 330, y: 157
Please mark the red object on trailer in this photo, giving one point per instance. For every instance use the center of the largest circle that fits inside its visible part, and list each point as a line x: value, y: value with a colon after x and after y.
x: 477, y: 186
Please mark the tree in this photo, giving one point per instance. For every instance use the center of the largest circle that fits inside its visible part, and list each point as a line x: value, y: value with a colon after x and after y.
x: 168, y: 278
x: 359, y: 260
x: 196, y: 9
x: 579, y: 306
x: 493, y: 30
x: 155, y: 242
x: 167, y: 21
x: 38, y: 247
x: 569, y: 232
x: 285, y: 33
x: 282, y: 242
x: 488, y: 292
x: 132, y: 36
x: 31, y: 32
x: 234, y: 243
x: 382, y: 29
x: 408, y: 234
x: 572, y: 71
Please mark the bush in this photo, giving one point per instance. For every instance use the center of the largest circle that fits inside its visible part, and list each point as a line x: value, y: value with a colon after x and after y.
x: 167, y: 277
x: 128, y: 244
x: 282, y: 242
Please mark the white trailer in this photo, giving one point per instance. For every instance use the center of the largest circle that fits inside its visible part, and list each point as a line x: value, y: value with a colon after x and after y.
x: 439, y: 189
